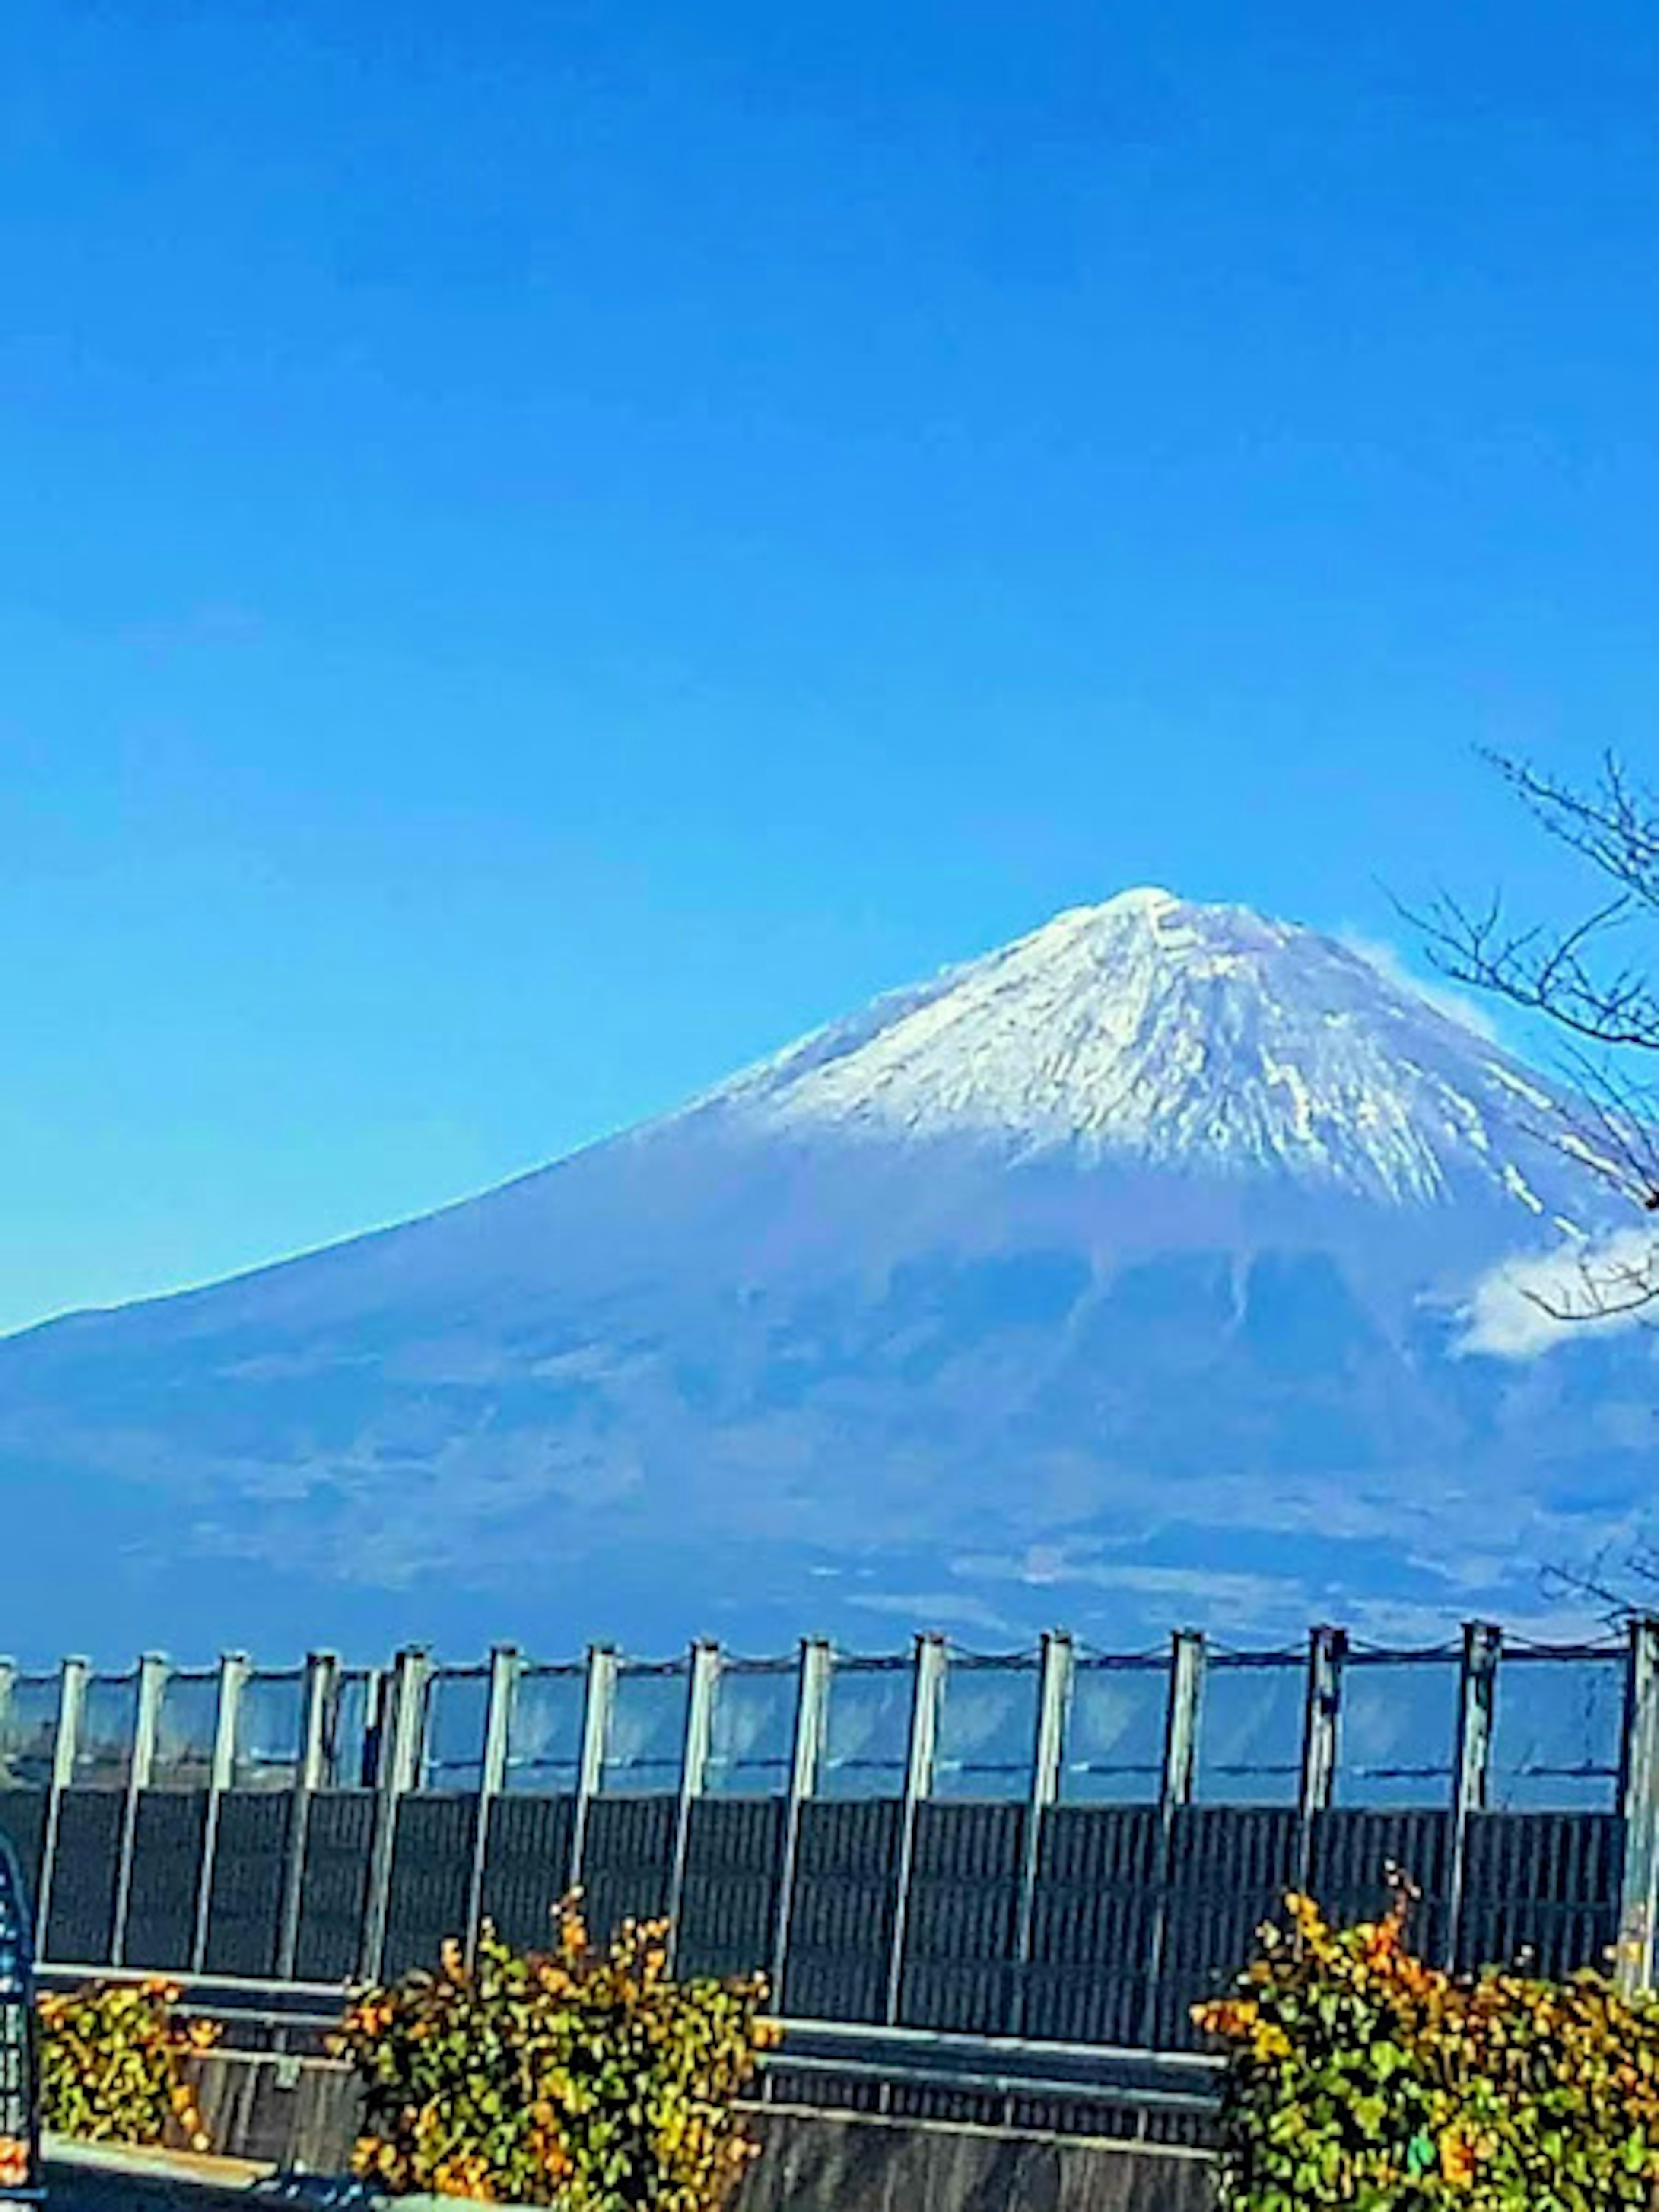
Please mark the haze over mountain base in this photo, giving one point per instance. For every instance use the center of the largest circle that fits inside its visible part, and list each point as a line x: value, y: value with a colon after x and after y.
x: 1151, y: 1268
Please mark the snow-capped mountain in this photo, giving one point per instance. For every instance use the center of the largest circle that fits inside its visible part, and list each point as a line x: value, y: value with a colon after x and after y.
x: 1163, y: 1263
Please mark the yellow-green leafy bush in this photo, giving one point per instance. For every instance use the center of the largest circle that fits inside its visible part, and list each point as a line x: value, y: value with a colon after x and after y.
x: 584, y: 2078
x: 1360, y: 2076
x: 112, y: 2065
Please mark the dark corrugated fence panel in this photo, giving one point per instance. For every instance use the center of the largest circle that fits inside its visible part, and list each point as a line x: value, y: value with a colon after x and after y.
x: 627, y: 1861
x: 526, y: 1866
x: 431, y: 1874
x: 167, y: 1871
x: 729, y: 1908
x: 250, y: 1859
x: 1229, y: 1870
x: 339, y: 1835
x: 840, y: 1927
x: 23, y: 1818
x: 1352, y: 1850
x: 959, y: 1928
x: 81, y: 1916
x: 1543, y: 1883
x: 1092, y: 1922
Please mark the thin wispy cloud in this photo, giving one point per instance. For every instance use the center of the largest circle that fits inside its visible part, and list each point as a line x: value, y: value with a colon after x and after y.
x: 1446, y: 998
x: 1529, y: 1304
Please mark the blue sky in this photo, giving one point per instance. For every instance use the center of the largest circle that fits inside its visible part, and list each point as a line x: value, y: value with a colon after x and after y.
x: 550, y: 548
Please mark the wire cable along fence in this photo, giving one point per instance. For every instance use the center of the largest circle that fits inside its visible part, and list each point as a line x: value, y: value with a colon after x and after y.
x: 1053, y: 1847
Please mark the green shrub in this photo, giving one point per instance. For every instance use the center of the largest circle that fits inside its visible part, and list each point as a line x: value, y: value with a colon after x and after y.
x: 112, y: 2065
x: 584, y: 2078
x: 1359, y: 2076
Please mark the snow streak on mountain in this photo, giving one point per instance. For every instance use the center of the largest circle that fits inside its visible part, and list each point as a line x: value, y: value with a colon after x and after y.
x: 1151, y: 1267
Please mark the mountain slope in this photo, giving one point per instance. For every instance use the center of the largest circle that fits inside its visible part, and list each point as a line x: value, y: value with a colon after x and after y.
x: 1123, y: 1273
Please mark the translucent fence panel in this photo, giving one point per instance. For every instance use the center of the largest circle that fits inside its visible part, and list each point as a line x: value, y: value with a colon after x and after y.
x: 29, y: 1731
x: 1557, y: 1726
x: 751, y: 1732
x: 355, y: 1712
x: 986, y: 1728
x: 1250, y: 1732
x: 644, y: 1743
x: 457, y: 1706
x: 1114, y: 1730
x: 109, y: 1716
x: 1397, y: 1734
x: 544, y: 1731
x: 269, y: 1717
x: 185, y: 1726
x: 867, y: 1736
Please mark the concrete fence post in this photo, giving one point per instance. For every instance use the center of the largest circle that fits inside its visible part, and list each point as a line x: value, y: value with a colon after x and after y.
x: 1057, y: 1669
x: 703, y: 1686
x: 319, y: 1698
x: 505, y: 1665
x: 221, y: 1770
x: 153, y: 1672
x: 596, y: 1735
x: 1639, y: 1894
x: 397, y: 1771
x: 71, y: 1703
x: 806, y: 1764
x: 926, y: 1690
x: 1182, y: 1722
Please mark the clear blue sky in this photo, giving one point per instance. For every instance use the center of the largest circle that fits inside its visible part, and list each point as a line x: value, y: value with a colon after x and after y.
x: 549, y: 547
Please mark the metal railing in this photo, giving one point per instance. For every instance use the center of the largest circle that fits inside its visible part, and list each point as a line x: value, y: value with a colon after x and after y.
x: 1123, y: 2079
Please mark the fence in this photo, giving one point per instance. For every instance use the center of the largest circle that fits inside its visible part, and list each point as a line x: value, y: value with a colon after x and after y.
x: 1062, y: 1845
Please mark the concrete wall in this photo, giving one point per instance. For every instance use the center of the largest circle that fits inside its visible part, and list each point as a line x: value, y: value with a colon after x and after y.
x: 809, y: 2161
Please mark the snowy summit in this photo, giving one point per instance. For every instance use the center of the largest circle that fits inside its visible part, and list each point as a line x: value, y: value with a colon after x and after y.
x: 1153, y: 1028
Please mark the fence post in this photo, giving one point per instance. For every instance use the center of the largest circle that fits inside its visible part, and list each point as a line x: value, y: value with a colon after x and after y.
x: 72, y: 1700
x: 233, y: 1672
x: 927, y: 1686
x: 596, y: 1733
x: 1478, y: 1682
x: 1640, y: 1761
x: 807, y: 1759
x: 1053, y: 1704
x: 403, y: 1713
x: 505, y: 1667
x: 702, y: 1685
x: 1186, y: 1656
x: 152, y: 1681
x: 1327, y: 1650
x: 318, y: 1698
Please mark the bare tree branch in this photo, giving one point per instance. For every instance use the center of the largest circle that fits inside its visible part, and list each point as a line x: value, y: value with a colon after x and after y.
x: 1560, y: 974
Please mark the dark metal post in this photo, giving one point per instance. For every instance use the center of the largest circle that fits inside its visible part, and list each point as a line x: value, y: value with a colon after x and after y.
x: 1477, y: 1684
x: 1327, y: 1649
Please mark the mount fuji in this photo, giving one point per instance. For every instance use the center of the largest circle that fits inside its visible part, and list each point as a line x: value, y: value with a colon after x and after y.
x: 1168, y: 1263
